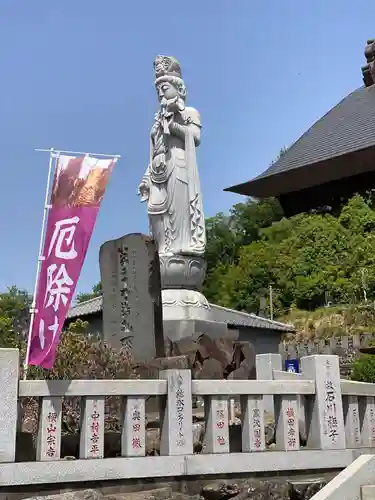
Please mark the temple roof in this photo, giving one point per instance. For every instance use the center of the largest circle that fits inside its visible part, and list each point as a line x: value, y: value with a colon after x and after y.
x: 220, y: 314
x: 347, y: 128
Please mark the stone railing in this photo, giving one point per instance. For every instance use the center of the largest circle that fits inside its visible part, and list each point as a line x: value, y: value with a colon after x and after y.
x: 345, y: 346
x: 339, y: 418
x: 344, y: 343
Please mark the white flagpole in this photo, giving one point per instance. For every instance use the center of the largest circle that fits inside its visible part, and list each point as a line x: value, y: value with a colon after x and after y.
x: 58, y: 151
x: 53, y: 154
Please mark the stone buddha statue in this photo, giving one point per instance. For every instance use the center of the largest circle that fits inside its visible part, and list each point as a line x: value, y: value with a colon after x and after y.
x: 171, y: 186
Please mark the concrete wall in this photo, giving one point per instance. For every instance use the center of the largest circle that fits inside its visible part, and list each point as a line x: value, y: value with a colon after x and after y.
x: 264, y: 341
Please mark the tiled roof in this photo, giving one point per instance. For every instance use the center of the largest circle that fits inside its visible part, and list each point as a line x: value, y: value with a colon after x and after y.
x: 220, y: 314
x: 87, y: 307
x: 237, y: 318
x: 347, y: 127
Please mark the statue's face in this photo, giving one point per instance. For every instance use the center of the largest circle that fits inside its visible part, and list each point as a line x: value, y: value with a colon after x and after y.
x: 166, y: 91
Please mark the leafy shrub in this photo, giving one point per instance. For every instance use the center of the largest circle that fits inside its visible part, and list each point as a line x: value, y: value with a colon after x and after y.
x: 79, y: 358
x: 363, y: 368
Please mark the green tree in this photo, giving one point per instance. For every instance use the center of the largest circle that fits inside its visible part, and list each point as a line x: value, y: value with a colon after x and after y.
x: 221, y: 250
x: 249, y: 218
x: 96, y: 292
x: 14, y: 316
x: 226, y: 234
x: 304, y: 258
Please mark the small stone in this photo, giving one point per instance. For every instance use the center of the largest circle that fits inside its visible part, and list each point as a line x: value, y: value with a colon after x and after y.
x: 265, y: 490
x: 152, y: 441
x: 269, y: 430
x: 305, y: 489
x: 220, y: 491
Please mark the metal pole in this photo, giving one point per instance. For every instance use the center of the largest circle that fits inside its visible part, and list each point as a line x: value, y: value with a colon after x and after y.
x: 58, y: 151
x: 364, y: 284
x: 271, y: 304
x: 40, y: 257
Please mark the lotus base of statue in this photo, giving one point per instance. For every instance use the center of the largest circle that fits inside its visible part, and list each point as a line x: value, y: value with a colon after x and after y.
x: 182, y: 271
x: 181, y: 277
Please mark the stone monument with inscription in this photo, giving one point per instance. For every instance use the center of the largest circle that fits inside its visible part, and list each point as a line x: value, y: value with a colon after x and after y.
x: 171, y: 189
x: 132, y: 310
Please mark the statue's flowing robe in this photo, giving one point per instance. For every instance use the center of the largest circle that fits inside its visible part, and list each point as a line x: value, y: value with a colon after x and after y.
x: 175, y: 200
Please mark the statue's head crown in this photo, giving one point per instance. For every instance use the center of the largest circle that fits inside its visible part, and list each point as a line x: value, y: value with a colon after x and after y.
x: 167, y: 66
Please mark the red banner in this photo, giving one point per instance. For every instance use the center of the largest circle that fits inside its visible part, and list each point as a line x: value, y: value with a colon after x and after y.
x: 78, y: 189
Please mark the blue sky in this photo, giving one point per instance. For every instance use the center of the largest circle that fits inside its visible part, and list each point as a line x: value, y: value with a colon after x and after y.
x: 78, y: 75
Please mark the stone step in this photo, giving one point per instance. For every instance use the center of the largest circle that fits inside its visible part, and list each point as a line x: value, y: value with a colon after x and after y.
x: 368, y: 492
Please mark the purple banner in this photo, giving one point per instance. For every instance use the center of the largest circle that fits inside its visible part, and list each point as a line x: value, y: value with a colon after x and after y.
x: 78, y: 190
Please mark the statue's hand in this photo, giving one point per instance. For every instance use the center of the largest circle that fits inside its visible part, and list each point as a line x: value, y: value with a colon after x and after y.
x: 172, y: 105
x: 170, y: 119
x: 143, y: 191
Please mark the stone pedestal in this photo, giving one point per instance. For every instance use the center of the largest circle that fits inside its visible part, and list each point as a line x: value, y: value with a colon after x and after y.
x: 186, y: 311
x: 185, y: 305
x: 176, y: 329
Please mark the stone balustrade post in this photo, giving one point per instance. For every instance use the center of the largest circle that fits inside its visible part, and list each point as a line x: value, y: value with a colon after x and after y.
x: 352, y: 421
x: 252, y: 418
x: 9, y: 373
x: 265, y: 364
x: 92, y: 427
x: 49, y: 429
x: 216, y: 436
x: 176, y: 414
x: 324, y: 416
x: 367, y: 420
x: 287, y: 423
x: 133, y: 438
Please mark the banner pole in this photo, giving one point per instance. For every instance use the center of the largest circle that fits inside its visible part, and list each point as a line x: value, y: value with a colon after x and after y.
x: 58, y: 151
x: 40, y: 259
